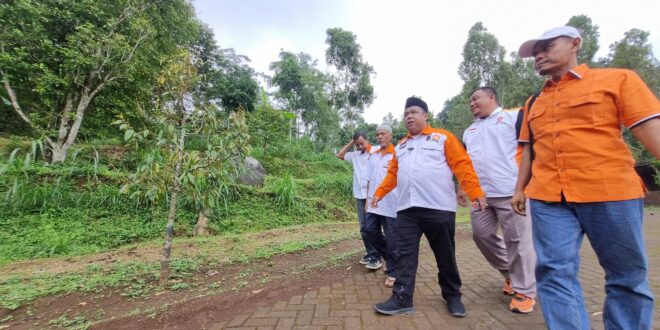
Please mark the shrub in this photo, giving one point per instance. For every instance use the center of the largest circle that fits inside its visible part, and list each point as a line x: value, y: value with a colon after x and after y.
x: 285, y: 190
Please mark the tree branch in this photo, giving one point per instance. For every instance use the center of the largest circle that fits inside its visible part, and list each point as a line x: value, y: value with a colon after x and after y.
x: 14, y: 101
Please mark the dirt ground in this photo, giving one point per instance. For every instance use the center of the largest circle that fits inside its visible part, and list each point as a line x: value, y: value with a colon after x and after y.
x: 240, y: 287
x: 218, y: 294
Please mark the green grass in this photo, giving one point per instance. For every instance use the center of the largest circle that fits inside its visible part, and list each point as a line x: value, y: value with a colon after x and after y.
x: 76, y: 231
x: 140, y: 278
x: 462, y: 215
x: 285, y: 190
x: 78, y: 322
x: 76, y: 208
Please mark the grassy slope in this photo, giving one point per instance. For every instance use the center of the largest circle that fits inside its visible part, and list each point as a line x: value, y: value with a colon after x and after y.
x: 66, y: 211
x: 76, y: 210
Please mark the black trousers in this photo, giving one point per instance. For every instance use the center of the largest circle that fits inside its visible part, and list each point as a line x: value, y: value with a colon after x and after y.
x: 439, y: 228
x: 375, y: 226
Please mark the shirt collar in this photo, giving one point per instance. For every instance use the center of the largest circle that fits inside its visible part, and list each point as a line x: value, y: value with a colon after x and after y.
x: 497, y: 110
x: 387, y: 150
x: 425, y: 131
x: 368, y: 149
x: 577, y: 72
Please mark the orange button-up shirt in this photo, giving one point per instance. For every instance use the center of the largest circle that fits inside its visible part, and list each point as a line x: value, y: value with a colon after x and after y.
x: 577, y: 137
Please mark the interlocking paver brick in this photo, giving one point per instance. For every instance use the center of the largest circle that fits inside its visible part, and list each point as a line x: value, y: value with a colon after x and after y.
x: 285, y: 323
x: 348, y: 304
x: 304, y: 317
x: 238, y: 320
x: 256, y: 322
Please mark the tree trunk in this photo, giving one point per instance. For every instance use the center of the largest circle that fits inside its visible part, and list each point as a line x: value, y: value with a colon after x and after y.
x: 69, y: 131
x: 202, y: 227
x: 59, y: 155
x: 171, y: 214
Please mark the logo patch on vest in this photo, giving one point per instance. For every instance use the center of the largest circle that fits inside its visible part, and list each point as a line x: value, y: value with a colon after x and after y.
x: 433, y: 137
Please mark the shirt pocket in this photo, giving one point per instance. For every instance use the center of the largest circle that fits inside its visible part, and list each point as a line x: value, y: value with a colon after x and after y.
x: 402, y: 158
x: 537, y: 119
x: 586, y: 109
x: 432, y: 153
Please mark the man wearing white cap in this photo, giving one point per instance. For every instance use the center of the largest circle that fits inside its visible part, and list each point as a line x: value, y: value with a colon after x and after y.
x: 381, y: 218
x: 579, y: 176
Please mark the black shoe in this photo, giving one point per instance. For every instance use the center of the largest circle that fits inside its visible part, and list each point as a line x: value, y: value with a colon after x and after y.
x: 394, y: 306
x: 364, y: 260
x: 455, y: 307
x: 373, y: 265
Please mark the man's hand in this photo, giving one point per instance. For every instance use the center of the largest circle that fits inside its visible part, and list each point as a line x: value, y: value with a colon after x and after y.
x: 342, y: 152
x: 374, y: 202
x: 518, y: 203
x: 462, y: 198
x: 480, y: 204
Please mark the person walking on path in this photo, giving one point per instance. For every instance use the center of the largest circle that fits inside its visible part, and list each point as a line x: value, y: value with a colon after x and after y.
x: 381, y: 219
x: 492, y: 143
x: 358, y: 159
x: 422, y: 171
x: 581, y: 181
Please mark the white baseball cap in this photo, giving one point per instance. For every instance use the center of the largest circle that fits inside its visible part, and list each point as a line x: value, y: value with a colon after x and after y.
x: 527, y: 48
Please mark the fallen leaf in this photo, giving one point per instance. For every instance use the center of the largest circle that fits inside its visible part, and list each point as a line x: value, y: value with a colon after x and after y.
x: 82, y: 303
x: 211, y: 272
x: 349, y: 268
x: 257, y: 291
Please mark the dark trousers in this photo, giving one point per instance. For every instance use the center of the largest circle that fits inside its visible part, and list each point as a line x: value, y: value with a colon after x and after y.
x: 372, y: 255
x: 376, y: 225
x: 439, y: 228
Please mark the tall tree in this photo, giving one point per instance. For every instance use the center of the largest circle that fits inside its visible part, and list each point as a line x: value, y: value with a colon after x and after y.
x: 352, y: 90
x: 288, y: 79
x: 482, y: 58
x: 225, y: 77
x: 635, y: 52
x: 303, y: 89
x: 455, y: 115
x: 590, y: 35
x: 515, y: 81
x: 57, y: 56
x: 267, y: 125
x: 482, y: 55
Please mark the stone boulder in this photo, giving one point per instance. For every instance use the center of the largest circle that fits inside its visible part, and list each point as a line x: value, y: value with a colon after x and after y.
x: 254, y: 173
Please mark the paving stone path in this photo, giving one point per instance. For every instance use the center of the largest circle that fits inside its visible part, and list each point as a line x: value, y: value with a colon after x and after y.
x: 349, y: 304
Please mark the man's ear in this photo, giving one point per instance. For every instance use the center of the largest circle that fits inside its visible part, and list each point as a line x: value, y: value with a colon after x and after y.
x: 576, y: 44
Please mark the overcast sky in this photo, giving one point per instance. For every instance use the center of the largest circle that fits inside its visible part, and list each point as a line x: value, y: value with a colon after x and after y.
x: 414, y: 46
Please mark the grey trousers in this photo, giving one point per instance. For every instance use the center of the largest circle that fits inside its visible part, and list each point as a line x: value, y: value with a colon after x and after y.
x: 513, y: 254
